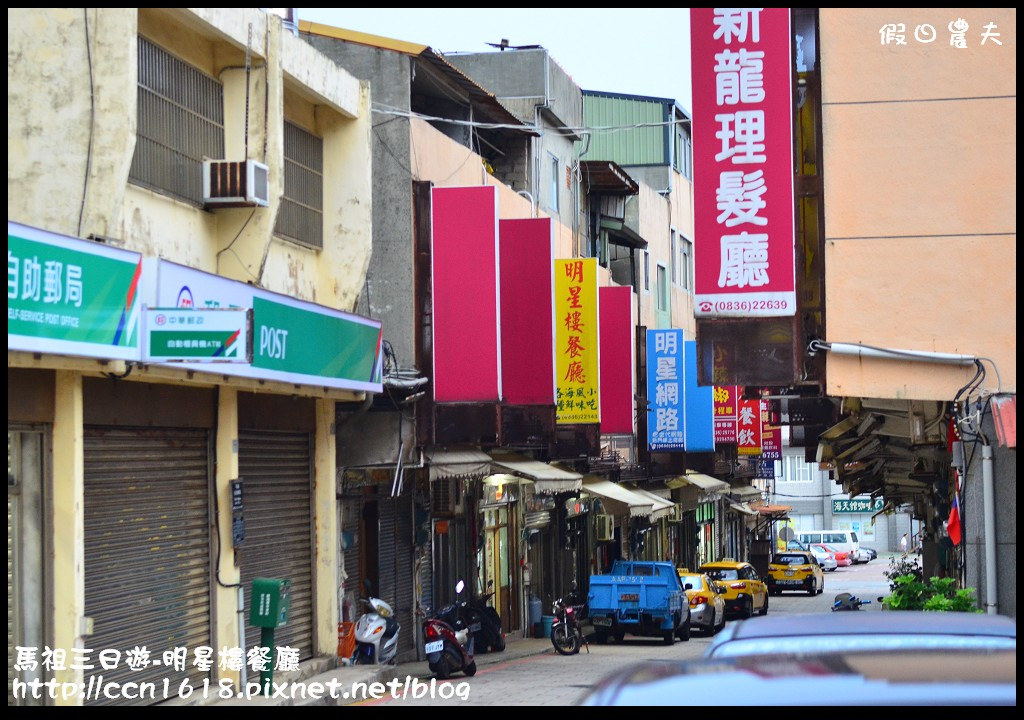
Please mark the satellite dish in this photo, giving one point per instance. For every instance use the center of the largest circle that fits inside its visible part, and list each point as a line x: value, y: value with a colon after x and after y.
x: 786, y: 533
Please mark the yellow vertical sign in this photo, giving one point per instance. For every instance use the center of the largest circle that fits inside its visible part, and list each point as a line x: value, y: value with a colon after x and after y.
x: 577, y: 378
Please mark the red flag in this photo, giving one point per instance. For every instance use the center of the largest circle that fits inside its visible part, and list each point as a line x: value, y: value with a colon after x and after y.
x: 953, y: 525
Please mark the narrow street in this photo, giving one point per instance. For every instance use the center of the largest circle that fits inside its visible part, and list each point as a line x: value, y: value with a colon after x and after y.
x: 551, y: 679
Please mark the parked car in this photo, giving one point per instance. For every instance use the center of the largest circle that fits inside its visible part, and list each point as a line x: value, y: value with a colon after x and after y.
x: 826, y: 559
x: 842, y: 540
x: 707, y: 606
x: 842, y: 557
x: 858, y: 631
x: 795, y: 571
x: 856, y: 658
x: 873, y: 678
x: 871, y: 553
x: 740, y: 586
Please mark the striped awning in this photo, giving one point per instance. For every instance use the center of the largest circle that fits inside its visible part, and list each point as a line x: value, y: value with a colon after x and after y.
x: 548, y: 478
x: 457, y: 463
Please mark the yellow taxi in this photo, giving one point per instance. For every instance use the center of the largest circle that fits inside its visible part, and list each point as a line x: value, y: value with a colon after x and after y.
x: 739, y: 585
x: 707, y: 607
x: 795, y: 570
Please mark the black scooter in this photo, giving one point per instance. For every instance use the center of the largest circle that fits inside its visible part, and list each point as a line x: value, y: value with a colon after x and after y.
x: 846, y: 601
x: 485, y: 623
x: 447, y: 641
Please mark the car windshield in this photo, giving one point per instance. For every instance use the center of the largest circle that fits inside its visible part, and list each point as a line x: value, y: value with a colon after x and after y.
x: 694, y: 580
x: 722, y: 574
x: 790, y: 560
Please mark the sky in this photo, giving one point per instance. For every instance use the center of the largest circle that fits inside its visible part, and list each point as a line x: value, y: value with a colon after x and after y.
x: 637, y: 51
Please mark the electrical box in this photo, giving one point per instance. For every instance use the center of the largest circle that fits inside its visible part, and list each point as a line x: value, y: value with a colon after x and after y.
x: 271, y: 598
x: 237, y: 519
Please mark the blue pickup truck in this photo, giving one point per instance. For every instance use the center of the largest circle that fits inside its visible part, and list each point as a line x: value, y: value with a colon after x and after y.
x: 639, y: 598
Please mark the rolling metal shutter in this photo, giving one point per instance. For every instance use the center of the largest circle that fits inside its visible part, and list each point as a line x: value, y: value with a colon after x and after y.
x: 396, y: 564
x: 351, y: 515
x: 276, y: 470
x: 147, y: 547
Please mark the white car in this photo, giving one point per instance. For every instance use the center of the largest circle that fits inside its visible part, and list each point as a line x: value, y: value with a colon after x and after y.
x: 826, y: 559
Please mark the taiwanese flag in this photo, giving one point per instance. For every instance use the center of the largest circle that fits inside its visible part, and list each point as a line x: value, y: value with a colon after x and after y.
x: 953, y: 525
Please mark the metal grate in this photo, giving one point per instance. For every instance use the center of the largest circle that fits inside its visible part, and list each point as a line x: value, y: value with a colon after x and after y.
x: 180, y: 122
x: 301, y: 216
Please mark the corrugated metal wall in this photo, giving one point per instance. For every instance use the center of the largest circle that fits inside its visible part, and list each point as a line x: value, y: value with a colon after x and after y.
x: 642, y: 146
x: 147, y: 547
x: 276, y: 470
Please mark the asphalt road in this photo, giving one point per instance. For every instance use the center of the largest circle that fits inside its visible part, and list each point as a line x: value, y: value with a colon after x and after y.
x: 551, y: 679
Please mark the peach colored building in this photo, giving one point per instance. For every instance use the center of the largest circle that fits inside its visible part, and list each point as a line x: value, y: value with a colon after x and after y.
x: 918, y: 131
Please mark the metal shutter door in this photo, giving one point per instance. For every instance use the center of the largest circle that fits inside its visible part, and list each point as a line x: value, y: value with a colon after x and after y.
x: 147, y: 547
x: 351, y: 514
x: 387, y: 550
x: 404, y: 579
x: 276, y: 470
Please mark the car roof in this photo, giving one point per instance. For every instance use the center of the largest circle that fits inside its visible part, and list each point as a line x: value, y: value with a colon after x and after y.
x: 832, y: 678
x: 724, y: 564
x: 874, y: 622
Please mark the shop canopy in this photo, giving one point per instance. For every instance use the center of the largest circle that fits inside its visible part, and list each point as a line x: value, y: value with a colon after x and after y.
x: 458, y: 463
x: 662, y: 507
x: 619, y: 499
x: 740, y: 507
x: 698, y: 480
x: 548, y: 478
x: 745, y: 493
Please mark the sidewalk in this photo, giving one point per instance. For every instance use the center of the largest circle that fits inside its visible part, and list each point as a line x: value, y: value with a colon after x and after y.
x: 343, y: 679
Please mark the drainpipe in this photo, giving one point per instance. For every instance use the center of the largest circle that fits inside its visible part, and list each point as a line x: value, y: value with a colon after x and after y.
x: 989, y: 490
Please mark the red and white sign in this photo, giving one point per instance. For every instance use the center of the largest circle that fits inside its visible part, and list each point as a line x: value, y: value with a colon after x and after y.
x: 726, y: 411
x: 744, y: 249
x: 748, y: 428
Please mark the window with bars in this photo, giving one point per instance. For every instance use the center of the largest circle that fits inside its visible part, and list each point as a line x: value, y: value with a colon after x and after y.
x: 301, y: 215
x: 180, y: 123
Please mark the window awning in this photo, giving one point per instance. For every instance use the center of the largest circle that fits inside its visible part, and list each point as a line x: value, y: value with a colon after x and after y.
x: 745, y: 493
x: 618, y: 498
x: 456, y: 463
x: 739, y: 507
x: 698, y: 480
x: 775, y: 511
x: 662, y: 507
x: 548, y: 479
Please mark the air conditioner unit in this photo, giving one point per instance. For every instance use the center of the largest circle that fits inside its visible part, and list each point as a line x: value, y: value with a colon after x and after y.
x: 677, y: 513
x: 605, y: 527
x: 229, y: 183
x: 447, y: 497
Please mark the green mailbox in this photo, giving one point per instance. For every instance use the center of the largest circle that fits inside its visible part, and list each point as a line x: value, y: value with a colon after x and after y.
x: 271, y: 598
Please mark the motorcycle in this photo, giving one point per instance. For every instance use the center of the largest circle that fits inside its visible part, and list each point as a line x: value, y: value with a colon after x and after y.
x: 447, y: 640
x: 485, y: 623
x: 846, y: 601
x: 566, y: 634
x: 376, y: 634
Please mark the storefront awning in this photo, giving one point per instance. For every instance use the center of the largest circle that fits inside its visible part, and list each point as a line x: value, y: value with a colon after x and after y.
x: 457, y: 463
x: 662, y: 507
x: 548, y: 479
x: 698, y: 480
x: 775, y: 511
x: 741, y: 508
x: 618, y: 498
x: 745, y: 493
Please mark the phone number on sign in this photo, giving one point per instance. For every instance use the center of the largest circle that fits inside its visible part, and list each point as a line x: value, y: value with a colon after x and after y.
x: 751, y: 305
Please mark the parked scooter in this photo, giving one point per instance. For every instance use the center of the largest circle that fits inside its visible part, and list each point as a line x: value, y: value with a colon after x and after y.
x: 566, y: 634
x: 447, y: 641
x: 485, y: 623
x: 846, y: 601
x: 376, y: 634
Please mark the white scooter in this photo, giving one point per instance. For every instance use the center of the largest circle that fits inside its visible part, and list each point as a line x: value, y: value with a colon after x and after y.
x: 376, y: 634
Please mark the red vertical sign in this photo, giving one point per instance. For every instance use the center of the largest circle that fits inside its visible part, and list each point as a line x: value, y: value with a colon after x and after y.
x: 464, y: 263
x: 726, y: 411
x: 748, y: 428
x: 615, y: 317
x: 527, y: 330
x: 744, y: 250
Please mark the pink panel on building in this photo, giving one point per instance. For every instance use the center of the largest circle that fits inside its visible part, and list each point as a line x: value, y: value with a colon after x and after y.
x: 616, y: 354
x: 743, y: 162
x: 527, y: 332
x: 464, y: 247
